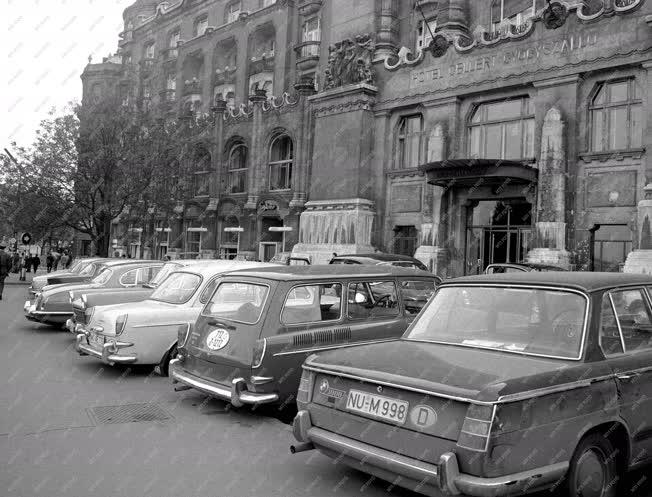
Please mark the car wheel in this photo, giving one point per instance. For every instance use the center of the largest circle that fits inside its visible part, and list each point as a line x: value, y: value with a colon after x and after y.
x: 164, y: 365
x: 593, y: 469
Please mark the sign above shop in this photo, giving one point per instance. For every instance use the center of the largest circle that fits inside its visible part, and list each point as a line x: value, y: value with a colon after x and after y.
x: 267, y: 205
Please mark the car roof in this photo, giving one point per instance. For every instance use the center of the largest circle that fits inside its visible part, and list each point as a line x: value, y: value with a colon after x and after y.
x: 212, y: 267
x: 532, y: 265
x: 291, y: 273
x: 124, y: 262
x: 580, y: 280
x: 378, y: 256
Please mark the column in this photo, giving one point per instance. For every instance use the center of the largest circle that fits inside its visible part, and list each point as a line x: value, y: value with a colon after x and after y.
x: 387, y: 30
x: 258, y: 167
x: 550, y: 234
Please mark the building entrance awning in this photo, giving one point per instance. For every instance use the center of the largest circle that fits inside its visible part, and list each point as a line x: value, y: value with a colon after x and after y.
x: 471, y: 171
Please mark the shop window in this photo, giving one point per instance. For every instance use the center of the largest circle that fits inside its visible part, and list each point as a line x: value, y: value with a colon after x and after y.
x: 502, y: 130
x: 512, y: 12
x: 194, y: 239
x: 232, y: 12
x: 616, y: 116
x: 201, y: 172
x: 425, y: 30
x: 238, y: 168
x: 280, y: 163
x: 201, y: 23
x: 311, y: 32
x: 611, y: 244
x: 410, y: 142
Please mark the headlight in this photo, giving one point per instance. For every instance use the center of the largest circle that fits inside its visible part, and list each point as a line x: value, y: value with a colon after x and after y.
x: 120, y: 324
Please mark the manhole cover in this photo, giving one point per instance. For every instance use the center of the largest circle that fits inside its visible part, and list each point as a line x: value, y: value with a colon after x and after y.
x: 130, y: 413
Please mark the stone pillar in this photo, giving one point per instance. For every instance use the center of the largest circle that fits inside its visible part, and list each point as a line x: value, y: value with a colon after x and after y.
x: 258, y: 166
x: 430, y: 252
x: 387, y: 29
x: 550, y: 236
x: 453, y: 18
x: 640, y: 261
x: 339, y: 216
x: 302, y: 165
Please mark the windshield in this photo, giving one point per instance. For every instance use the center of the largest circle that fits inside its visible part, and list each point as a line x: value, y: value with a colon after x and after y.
x: 529, y: 321
x: 103, y: 277
x: 88, y: 270
x: 242, y: 302
x: 77, y: 267
x: 163, y: 273
x: 177, y: 288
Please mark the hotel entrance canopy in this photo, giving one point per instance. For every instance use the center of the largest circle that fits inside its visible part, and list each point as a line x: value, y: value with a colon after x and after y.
x: 471, y: 171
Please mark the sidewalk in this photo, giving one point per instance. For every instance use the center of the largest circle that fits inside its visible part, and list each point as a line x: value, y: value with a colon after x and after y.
x: 12, y: 279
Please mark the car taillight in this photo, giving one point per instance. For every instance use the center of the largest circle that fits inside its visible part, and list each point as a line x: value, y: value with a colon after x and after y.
x: 182, y: 335
x: 304, y: 394
x: 120, y: 323
x: 259, y: 353
x: 476, y: 429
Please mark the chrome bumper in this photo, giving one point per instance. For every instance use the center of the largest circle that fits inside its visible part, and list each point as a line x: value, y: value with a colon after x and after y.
x: 238, y: 395
x: 108, y: 354
x: 74, y: 328
x: 444, y: 476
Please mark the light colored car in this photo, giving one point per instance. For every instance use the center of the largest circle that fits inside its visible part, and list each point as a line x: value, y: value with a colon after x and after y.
x: 146, y: 332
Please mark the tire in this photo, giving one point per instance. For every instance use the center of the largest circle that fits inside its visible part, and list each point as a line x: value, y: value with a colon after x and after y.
x: 593, y: 470
x: 164, y: 365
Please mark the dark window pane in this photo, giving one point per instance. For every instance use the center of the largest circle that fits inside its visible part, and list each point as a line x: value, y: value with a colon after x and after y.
x: 504, y: 110
x: 513, y: 140
x: 636, y: 126
x: 618, y: 91
x: 618, y: 128
x: 599, y: 96
x: 493, y: 141
x: 597, y: 130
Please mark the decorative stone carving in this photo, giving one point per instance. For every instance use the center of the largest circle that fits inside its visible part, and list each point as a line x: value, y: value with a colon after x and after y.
x: 439, y: 46
x: 349, y: 62
x: 555, y: 15
x: 403, y: 59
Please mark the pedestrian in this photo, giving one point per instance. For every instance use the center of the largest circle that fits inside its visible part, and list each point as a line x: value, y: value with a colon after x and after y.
x: 49, y: 261
x: 64, y: 260
x: 36, y: 262
x: 5, y: 267
x: 28, y: 262
x: 56, y: 256
x: 23, y: 262
x: 15, y: 263
x: 69, y: 263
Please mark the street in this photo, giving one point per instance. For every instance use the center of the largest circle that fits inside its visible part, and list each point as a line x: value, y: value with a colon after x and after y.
x: 60, y: 437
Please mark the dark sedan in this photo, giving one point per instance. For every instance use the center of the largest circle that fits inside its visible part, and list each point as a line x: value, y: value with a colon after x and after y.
x: 504, y: 385
x: 53, y: 305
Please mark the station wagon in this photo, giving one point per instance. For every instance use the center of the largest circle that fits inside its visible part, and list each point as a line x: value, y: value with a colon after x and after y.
x: 248, y: 344
x: 504, y: 385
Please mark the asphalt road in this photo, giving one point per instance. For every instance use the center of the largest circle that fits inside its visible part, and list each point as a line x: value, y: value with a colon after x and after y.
x: 71, y: 426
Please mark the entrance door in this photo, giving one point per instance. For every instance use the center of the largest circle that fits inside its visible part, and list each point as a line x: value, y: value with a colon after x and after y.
x: 405, y: 240
x: 267, y: 250
x: 497, y: 231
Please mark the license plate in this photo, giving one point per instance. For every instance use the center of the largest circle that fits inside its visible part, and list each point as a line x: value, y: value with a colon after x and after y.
x: 377, y: 406
x: 96, y: 340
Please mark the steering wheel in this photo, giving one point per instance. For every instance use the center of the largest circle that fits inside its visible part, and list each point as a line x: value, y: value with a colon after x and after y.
x: 385, y: 298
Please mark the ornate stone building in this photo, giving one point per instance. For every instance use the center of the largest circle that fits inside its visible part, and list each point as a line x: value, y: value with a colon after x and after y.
x: 463, y: 132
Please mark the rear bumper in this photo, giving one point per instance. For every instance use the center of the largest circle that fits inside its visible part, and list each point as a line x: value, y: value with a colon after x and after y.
x: 45, y: 316
x: 443, y: 478
x: 109, y: 353
x: 237, y: 393
x: 74, y: 328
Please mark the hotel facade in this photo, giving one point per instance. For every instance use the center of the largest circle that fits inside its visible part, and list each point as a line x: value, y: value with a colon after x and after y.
x: 460, y: 132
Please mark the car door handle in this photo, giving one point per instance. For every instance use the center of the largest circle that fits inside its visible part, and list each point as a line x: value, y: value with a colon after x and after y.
x: 626, y: 376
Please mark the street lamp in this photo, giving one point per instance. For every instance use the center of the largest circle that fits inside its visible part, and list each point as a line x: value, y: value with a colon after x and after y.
x: 238, y: 230
x: 282, y: 229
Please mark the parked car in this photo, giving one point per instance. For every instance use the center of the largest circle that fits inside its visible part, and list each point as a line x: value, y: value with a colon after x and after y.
x: 379, y: 258
x: 250, y: 339
x: 85, y: 299
x: 505, y: 384
x: 53, y: 305
x: 517, y: 267
x: 146, y: 332
x: 291, y: 259
x: 80, y: 265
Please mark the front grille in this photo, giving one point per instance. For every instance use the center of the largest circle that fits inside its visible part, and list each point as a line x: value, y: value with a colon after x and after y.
x: 80, y: 315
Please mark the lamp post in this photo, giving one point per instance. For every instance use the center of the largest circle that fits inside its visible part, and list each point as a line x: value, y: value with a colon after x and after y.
x: 282, y: 229
x: 238, y: 230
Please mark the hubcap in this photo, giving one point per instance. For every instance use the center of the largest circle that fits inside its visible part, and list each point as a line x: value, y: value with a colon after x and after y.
x: 591, y: 474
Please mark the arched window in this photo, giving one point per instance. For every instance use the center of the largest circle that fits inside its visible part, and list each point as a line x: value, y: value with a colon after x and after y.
x: 410, y: 142
x: 616, y: 116
x: 502, y: 130
x: 237, y: 163
x: 281, y: 155
x: 201, y: 172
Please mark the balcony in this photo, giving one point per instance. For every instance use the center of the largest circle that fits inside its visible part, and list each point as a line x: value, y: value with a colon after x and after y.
x: 307, y: 55
x: 224, y: 76
x: 192, y: 88
x: 309, y: 7
x: 263, y: 64
x: 170, y: 54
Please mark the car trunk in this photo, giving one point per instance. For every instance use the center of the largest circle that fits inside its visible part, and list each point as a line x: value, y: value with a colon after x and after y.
x: 231, y: 360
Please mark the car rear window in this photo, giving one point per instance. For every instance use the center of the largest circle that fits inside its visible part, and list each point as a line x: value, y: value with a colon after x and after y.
x: 103, y: 277
x: 530, y: 321
x: 312, y: 304
x: 178, y: 288
x: 242, y: 302
x: 415, y: 294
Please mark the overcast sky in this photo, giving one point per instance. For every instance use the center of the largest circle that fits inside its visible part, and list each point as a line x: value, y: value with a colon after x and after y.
x: 46, y: 47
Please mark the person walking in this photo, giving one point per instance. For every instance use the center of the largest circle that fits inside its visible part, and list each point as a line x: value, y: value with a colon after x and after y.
x: 5, y: 268
x: 49, y: 261
x: 36, y: 262
x: 15, y: 263
x: 64, y: 260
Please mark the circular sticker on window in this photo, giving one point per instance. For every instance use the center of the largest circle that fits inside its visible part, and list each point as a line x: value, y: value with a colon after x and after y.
x: 217, y: 339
